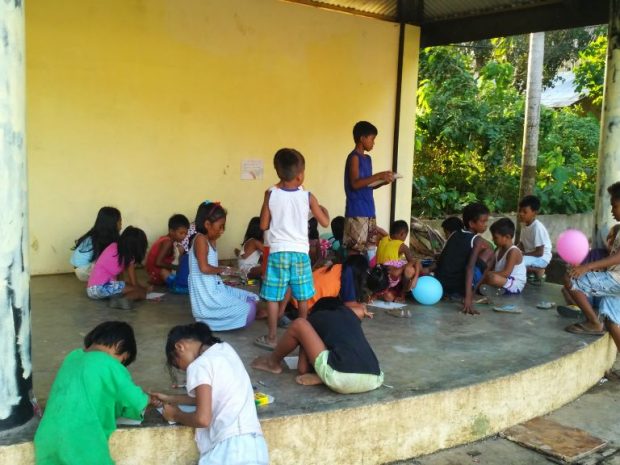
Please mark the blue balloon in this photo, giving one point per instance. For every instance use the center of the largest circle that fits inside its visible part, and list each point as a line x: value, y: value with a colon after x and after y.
x: 428, y: 290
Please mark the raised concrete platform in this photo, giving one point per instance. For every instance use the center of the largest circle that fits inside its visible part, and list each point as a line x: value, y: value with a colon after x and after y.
x: 455, y: 379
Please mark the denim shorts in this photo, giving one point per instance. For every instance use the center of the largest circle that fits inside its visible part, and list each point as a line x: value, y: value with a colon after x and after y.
x: 109, y: 289
x: 601, y: 284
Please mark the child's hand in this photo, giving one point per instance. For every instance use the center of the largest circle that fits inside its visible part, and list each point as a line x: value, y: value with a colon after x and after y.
x: 368, y: 314
x: 577, y: 271
x: 387, y: 176
x: 180, y: 248
x: 170, y: 411
x: 468, y: 308
x: 154, y: 400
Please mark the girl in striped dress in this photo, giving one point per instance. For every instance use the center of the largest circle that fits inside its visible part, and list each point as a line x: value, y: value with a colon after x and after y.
x: 220, y: 306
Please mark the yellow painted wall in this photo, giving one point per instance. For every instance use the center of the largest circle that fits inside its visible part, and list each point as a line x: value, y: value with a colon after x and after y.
x: 150, y: 106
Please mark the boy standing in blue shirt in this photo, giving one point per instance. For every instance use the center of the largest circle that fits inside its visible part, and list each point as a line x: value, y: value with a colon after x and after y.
x: 360, y: 227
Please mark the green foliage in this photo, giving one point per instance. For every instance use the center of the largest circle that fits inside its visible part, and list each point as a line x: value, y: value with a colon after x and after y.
x: 590, y: 72
x: 469, y: 136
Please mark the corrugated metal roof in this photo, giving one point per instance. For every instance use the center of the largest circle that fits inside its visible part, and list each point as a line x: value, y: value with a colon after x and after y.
x: 435, y: 10
x: 386, y: 9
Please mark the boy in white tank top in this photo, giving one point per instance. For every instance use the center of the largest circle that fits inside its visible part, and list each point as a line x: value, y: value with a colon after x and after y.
x: 285, y: 213
x: 509, y: 275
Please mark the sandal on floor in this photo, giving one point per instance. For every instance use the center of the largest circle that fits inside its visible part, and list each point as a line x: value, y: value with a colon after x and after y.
x: 579, y: 328
x: 264, y: 343
x: 508, y: 308
x: 544, y: 305
x: 569, y: 311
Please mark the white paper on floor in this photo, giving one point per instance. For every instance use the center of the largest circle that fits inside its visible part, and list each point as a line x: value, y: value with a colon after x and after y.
x: 155, y: 295
x: 291, y: 362
x: 383, y: 304
x: 182, y: 408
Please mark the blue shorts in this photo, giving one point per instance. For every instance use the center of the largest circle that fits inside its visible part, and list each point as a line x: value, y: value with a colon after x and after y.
x: 286, y: 269
x: 601, y: 284
x: 109, y: 289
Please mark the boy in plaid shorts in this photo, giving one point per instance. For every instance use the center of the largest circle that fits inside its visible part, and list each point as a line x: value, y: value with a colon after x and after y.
x: 360, y: 227
x: 285, y: 213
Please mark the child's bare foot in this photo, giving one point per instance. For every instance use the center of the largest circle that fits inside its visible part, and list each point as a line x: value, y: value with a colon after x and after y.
x: 266, y: 364
x: 309, y: 379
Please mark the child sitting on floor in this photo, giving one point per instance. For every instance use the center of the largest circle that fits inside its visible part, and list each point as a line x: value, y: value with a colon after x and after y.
x: 403, y: 269
x: 91, y: 390
x: 583, y: 282
x: 332, y: 343
x: 119, y: 257
x: 509, y: 275
x: 535, y: 242
x: 450, y: 225
x: 248, y: 258
x: 227, y: 426
x: 465, y: 256
x: 160, y: 261
x: 221, y: 306
x: 89, y: 246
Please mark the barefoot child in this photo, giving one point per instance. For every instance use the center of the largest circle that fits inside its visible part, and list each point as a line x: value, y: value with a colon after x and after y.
x: 332, y: 344
x: 227, y: 427
x: 403, y: 268
x: 119, y: 257
x: 222, y: 307
x: 92, y: 388
x: 583, y: 282
x: 160, y: 261
x: 88, y: 247
x: 285, y: 213
x: 509, y: 275
x: 360, y: 226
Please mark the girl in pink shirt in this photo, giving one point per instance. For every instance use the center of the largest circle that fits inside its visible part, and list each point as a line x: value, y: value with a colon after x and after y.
x: 119, y: 257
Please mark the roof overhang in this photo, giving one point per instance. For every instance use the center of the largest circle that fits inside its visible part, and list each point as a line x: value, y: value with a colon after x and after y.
x: 452, y: 21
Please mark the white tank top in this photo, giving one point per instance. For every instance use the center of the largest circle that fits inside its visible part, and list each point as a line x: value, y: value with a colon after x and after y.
x: 519, y: 272
x: 288, y: 230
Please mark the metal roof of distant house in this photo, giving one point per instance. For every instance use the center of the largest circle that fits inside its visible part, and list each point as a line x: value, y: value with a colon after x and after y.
x: 563, y: 93
x: 452, y: 21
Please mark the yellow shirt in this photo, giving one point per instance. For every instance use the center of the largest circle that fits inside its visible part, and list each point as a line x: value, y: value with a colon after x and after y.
x: 388, y: 249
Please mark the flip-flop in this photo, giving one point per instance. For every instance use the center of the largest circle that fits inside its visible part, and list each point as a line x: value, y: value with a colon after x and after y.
x: 579, y: 328
x: 508, y: 308
x: 544, y: 305
x: 264, y: 343
x: 569, y: 311
x: 491, y: 291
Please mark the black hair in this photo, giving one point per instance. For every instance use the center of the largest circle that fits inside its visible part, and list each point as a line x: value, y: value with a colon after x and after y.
x: 363, y: 128
x: 288, y: 163
x: 116, y: 334
x: 337, y: 225
x: 473, y: 212
x: 131, y: 246
x: 452, y: 224
x: 398, y: 227
x: 313, y: 228
x: 208, y: 211
x: 503, y: 227
x: 253, y: 231
x: 195, y: 331
x: 104, y: 231
x: 178, y: 221
x: 530, y: 201
x: 614, y: 191
x: 366, y: 280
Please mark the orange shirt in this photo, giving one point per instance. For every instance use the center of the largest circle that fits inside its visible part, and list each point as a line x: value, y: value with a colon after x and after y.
x: 326, y: 284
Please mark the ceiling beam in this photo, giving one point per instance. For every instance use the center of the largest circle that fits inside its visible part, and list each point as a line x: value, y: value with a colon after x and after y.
x: 561, y: 15
x: 411, y: 11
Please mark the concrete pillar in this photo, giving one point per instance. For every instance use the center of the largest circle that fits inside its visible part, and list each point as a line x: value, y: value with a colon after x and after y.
x: 609, y: 147
x: 15, y: 360
x: 404, y: 135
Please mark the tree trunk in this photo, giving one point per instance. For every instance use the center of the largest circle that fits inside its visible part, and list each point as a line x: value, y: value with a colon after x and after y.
x: 532, y: 113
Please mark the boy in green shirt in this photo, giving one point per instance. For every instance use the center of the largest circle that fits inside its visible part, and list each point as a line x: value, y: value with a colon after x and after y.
x: 92, y: 388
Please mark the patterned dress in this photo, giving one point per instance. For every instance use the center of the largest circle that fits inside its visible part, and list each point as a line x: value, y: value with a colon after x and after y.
x: 220, y: 306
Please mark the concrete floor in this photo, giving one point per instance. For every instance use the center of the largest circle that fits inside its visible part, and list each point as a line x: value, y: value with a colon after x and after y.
x: 438, y: 348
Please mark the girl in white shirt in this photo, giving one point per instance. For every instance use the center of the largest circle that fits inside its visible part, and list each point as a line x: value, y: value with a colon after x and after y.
x: 227, y: 427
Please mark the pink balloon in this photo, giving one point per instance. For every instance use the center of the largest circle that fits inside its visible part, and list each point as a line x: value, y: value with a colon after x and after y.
x: 573, y: 246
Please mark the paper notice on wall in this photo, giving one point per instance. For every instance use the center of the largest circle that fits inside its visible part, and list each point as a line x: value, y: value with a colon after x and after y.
x: 252, y: 170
